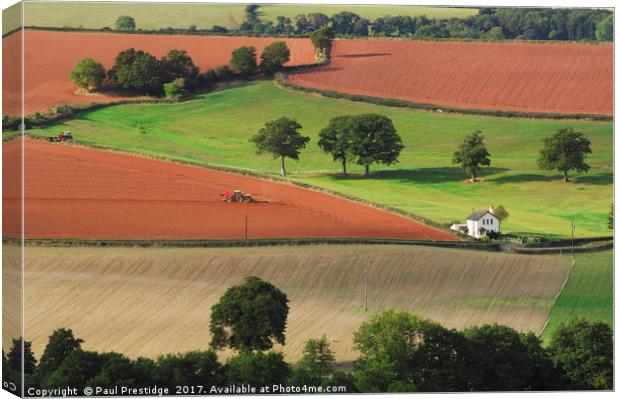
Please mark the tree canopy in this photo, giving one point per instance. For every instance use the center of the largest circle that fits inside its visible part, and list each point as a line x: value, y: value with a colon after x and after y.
x: 472, y: 154
x: 250, y: 316
x: 322, y: 41
x: 337, y: 139
x: 138, y: 71
x: 375, y: 140
x: 281, y: 139
x: 178, y: 64
x: 88, y: 74
x: 402, y: 351
x: 584, y: 351
x: 126, y: 23
x: 274, y: 56
x: 60, y: 345
x: 564, y: 151
x: 316, y: 363
x: 244, y: 60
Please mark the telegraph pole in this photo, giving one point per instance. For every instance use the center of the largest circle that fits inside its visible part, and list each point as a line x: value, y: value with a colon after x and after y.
x: 572, y: 237
x: 365, y: 286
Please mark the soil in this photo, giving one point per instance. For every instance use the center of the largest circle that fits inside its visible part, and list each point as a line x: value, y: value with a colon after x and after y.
x: 74, y: 192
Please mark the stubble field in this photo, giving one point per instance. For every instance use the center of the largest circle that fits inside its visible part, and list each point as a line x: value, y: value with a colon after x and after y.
x: 149, y: 301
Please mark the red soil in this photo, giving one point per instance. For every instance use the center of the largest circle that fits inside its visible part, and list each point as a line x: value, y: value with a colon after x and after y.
x: 74, y: 192
x: 50, y: 56
x: 528, y: 77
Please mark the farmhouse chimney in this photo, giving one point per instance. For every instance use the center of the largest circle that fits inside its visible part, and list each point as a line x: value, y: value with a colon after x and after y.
x: 492, y: 210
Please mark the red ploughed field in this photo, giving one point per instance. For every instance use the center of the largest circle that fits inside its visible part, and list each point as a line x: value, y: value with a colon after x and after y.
x: 73, y: 192
x: 562, y: 78
x: 50, y: 57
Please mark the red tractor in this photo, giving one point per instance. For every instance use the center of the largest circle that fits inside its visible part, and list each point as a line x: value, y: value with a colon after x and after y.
x: 64, y: 136
x: 237, y: 196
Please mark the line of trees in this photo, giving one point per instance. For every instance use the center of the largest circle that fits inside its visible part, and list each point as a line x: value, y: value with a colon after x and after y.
x: 174, y: 75
x: 364, y: 139
x: 372, y: 138
x: 489, y: 23
x: 399, y: 352
x: 564, y: 151
x: 575, y: 24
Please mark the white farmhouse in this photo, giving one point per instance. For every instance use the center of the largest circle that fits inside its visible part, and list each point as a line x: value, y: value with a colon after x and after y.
x: 479, y: 223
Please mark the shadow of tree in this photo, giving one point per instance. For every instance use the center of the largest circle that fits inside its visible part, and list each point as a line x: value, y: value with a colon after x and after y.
x: 422, y: 175
x: 364, y: 55
x: 601, y: 179
x: 596, y: 179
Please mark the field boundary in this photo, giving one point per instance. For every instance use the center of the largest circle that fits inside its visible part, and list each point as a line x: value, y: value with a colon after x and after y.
x: 282, y: 81
x: 258, y: 242
x: 237, y: 33
x: 494, y: 246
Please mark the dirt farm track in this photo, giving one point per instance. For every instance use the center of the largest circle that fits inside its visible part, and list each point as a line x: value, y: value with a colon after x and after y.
x: 563, y: 78
x: 150, y: 301
x: 73, y: 192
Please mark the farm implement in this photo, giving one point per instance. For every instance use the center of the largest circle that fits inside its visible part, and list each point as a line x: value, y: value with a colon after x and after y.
x: 62, y: 137
x: 237, y: 196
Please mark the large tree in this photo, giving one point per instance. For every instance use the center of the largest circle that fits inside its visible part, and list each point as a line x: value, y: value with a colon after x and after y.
x: 472, y: 154
x: 400, y: 351
x: 88, y: 74
x: 257, y: 369
x: 178, y: 64
x: 249, y: 316
x: 584, y: 351
x: 274, y: 56
x: 322, y: 40
x: 337, y: 139
x: 243, y: 60
x: 316, y: 364
x: 138, y: 71
x: 375, y: 140
x: 60, y: 345
x: 506, y: 360
x: 564, y: 151
x: 605, y: 29
x: 22, y: 350
x: 281, y: 139
x: 126, y: 23
x: 344, y: 22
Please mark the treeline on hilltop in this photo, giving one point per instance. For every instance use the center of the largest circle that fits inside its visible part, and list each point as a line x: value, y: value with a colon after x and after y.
x: 399, y: 352
x: 574, y: 24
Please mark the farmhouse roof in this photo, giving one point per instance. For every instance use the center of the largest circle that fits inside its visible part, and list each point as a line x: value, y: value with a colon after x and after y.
x: 477, y: 215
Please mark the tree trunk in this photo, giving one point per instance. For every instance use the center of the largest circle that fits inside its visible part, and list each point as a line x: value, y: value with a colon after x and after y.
x: 344, y: 168
x: 367, y: 170
x: 566, y: 176
x: 282, y: 168
x: 473, y: 177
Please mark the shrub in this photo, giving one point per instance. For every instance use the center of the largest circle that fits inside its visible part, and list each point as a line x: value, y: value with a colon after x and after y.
x: 125, y: 23
x: 138, y: 71
x: 88, y: 74
x: 274, y: 57
x: 243, y: 60
x: 176, y: 89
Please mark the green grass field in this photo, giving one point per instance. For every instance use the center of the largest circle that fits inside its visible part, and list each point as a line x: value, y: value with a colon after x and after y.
x: 588, y: 292
x: 215, y: 129
x: 156, y: 16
